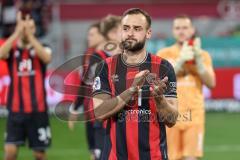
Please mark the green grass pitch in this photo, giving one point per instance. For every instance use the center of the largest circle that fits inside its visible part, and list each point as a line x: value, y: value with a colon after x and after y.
x: 222, y: 140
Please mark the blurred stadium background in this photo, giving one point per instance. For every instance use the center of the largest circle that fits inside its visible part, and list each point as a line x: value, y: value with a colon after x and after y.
x: 64, y: 23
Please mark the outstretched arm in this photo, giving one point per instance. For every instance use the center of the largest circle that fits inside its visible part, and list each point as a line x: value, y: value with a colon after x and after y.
x: 7, y: 45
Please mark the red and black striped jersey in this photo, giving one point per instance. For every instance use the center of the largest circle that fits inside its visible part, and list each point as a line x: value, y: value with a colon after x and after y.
x: 86, y: 83
x: 95, y: 59
x: 137, y: 131
x: 27, y: 72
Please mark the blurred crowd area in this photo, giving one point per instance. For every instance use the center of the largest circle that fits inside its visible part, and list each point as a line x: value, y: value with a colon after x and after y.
x: 38, y: 9
x: 63, y: 24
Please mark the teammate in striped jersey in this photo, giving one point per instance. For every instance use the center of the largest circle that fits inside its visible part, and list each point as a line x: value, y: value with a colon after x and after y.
x: 27, y: 59
x: 107, y: 30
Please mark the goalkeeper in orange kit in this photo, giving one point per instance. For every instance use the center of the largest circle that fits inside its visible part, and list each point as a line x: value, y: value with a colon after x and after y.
x: 193, y: 67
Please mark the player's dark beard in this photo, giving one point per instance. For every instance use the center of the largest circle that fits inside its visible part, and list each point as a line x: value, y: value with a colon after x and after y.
x: 129, y: 46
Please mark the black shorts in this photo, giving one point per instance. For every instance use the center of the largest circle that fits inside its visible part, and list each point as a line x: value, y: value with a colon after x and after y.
x: 95, y: 135
x: 32, y: 127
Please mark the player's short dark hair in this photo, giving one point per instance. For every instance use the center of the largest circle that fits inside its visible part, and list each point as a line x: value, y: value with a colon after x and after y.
x: 108, y: 23
x: 95, y: 25
x: 183, y: 16
x: 132, y: 11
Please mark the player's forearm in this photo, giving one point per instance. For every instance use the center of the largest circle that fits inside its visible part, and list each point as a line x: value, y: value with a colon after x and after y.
x: 167, y: 111
x: 6, y: 47
x: 40, y: 50
x: 208, y: 78
x: 108, y: 108
x: 206, y: 74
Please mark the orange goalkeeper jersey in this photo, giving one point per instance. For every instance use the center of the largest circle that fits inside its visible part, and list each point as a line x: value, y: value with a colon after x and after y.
x: 189, y: 84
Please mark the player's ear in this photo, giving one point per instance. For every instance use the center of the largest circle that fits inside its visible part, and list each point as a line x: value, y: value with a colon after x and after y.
x: 149, y: 33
